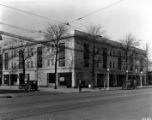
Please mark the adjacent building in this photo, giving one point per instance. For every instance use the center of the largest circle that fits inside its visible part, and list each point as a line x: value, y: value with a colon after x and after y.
x: 0, y: 69
x: 74, y: 63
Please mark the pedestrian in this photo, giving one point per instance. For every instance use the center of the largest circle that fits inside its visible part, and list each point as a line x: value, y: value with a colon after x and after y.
x: 80, y: 85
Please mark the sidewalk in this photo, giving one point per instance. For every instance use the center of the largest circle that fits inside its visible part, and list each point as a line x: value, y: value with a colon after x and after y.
x: 59, y: 89
x: 76, y: 90
x: 11, y: 91
x: 8, y: 91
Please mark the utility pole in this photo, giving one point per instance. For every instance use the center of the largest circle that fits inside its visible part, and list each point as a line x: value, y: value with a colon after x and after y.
x: 107, y: 78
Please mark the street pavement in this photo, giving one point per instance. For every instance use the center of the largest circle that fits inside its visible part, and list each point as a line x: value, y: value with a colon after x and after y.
x: 14, y: 91
x: 88, y: 105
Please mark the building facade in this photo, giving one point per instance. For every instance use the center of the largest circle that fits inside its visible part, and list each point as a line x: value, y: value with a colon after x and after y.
x: 74, y: 63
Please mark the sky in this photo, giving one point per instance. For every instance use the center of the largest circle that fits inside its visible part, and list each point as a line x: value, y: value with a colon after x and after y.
x: 127, y: 16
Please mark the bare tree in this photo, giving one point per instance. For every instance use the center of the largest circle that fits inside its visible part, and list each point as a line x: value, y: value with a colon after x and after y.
x: 128, y: 45
x: 23, y: 53
x: 94, y: 32
x: 54, y: 33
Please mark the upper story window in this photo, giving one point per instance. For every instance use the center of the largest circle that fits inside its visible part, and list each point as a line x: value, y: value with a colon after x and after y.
x: 105, y: 57
x: 119, y: 60
x: 86, y: 55
x: 114, y: 54
x: 52, y: 62
x: 28, y: 51
x: 97, y: 51
x: 13, y: 53
x: 110, y: 53
x: 110, y: 64
x: 31, y: 64
x: 62, y: 54
x: 31, y: 52
x: 48, y: 49
x: 6, y: 61
x: 114, y: 65
x: 15, y: 65
x: 141, y: 64
x: 28, y: 64
x: 39, y: 57
x: 48, y: 62
x: 12, y: 65
x: 21, y: 57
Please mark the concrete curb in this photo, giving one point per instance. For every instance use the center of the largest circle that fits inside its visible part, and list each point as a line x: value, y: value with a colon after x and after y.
x: 6, y: 96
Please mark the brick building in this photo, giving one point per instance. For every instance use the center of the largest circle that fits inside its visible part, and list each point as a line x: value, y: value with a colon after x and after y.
x: 74, y: 63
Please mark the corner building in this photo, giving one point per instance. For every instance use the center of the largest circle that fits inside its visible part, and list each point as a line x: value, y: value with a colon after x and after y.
x: 74, y: 63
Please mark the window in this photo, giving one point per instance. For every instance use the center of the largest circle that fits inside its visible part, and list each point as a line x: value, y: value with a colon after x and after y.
x: 113, y: 64
x: 28, y: 51
x: 119, y: 60
x: 62, y: 54
x: 131, y: 62
x: 110, y: 64
x: 48, y: 62
x: 52, y: 62
x: 31, y: 64
x: 114, y: 53
x: 21, y: 57
x: 6, y: 61
x: 39, y: 57
x: 97, y: 51
x: 97, y: 63
x: 31, y: 52
x: 110, y: 52
x: 86, y: 55
x: 104, y: 57
x: 48, y: 49
x: 12, y: 65
x: 28, y: 64
x: 15, y: 65
x: 12, y: 53
x: 141, y: 64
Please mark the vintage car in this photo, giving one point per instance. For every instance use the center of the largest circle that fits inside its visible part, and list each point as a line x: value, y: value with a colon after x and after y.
x: 130, y: 84
x: 29, y: 85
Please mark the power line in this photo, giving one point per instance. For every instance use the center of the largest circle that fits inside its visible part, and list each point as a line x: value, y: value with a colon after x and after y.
x: 21, y: 28
x: 33, y: 31
x: 33, y: 14
x: 67, y: 23
x: 70, y: 25
x: 27, y: 12
x: 96, y: 11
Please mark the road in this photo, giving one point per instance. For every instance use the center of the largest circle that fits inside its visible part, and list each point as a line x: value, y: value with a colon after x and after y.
x: 102, y: 105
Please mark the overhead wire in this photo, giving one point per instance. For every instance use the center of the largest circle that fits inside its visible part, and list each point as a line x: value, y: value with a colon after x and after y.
x: 21, y: 28
x: 33, y: 14
x: 30, y: 13
x: 96, y: 11
x: 65, y: 23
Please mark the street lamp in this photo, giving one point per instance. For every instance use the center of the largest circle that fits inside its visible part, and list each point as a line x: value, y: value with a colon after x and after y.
x: 126, y: 75
x: 107, y: 78
x: 10, y: 78
x: 141, y: 79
